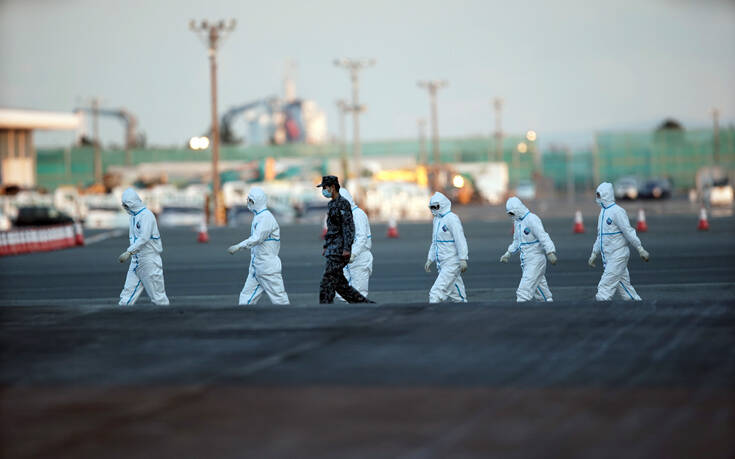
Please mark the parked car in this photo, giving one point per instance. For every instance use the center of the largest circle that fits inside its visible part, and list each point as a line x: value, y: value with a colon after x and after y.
x: 626, y: 188
x: 526, y: 190
x: 655, y: 189
x: 721, y: 193
x: 41, y: 216
x: 181, y: 216
x: 106, y: 217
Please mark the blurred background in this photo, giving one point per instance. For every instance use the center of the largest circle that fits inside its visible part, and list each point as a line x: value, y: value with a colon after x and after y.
x: 192, y: 103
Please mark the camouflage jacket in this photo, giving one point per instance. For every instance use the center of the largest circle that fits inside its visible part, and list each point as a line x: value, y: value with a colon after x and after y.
x: 340, y: 227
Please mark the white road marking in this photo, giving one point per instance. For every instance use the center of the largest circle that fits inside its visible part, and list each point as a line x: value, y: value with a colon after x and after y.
x: 103, y: 236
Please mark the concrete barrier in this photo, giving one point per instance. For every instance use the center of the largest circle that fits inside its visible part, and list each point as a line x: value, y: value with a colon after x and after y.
x: 40, y: 239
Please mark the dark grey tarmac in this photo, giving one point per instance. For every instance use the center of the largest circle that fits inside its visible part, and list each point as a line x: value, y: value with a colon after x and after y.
x: 82, y: 377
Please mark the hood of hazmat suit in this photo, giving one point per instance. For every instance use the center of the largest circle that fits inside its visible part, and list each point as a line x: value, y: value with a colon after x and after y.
x: 607, y: 195
x: 516, y: 206
x: 260, y: 200
x: 265, y: 236
x: 131, y: 201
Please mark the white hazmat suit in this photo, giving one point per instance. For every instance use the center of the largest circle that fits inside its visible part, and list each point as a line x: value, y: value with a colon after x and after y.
x: 146, y: 267
x: 448, y: 250
x: 533, y: 244
x: 613, y: 235
x: 264, y: 244
x: 358, y: 271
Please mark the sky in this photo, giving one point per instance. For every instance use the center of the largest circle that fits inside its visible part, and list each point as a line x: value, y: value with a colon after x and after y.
x: 564, y: 68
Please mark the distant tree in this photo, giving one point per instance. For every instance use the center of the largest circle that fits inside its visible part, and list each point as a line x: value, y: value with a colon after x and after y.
x: 670, y: 124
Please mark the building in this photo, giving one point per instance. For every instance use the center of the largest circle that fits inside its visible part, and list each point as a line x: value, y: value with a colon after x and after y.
x: 17, y: 151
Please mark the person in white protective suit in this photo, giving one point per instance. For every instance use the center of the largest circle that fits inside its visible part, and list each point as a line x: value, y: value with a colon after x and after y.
x: 613, y: 235
x: 448, y: 250
x: 360, y: 267
x: 146, y: 268
x: 535, y: 246
x: 264, y: 244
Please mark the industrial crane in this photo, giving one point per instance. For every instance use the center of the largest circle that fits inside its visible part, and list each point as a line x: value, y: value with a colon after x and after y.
x: 227, y: 134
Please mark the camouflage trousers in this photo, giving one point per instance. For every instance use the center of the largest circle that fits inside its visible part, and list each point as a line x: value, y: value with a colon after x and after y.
x: 334, y: 281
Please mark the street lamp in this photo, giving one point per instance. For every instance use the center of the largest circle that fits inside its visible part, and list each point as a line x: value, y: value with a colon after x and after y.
x: 354, y: 66
x: 433, y: 86
x: 212, y: 35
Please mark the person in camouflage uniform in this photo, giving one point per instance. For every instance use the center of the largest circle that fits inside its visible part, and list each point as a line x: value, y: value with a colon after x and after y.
x: 337, y: 245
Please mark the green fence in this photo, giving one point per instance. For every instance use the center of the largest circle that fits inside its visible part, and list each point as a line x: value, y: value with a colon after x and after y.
x: 73, y: 166
x: 675, y: 155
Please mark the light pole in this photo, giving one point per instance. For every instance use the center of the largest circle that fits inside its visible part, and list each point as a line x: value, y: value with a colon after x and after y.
x: 498, y: 105
x: 354, y: 66
x: 433, y: 86
x: 570, y: 174
x: 96, y: 133
x: 343, y: 109
x: 716, y: 135
x: 212, y: 35
x: 423, y: 160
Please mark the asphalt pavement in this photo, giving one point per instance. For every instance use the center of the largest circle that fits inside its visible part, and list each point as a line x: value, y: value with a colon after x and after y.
x: 82, y: 377
x: 685, y: 264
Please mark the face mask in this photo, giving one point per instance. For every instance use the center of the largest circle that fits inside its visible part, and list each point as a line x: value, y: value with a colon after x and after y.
x: 127, y: 209
x: 510, y: 214
x: 434, y: 209
x: 326, y: 193
x: 598, y: 200
x: 251, y: 204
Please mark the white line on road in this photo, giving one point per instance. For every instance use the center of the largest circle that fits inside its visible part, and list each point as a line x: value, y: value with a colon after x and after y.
x: 103, y: 236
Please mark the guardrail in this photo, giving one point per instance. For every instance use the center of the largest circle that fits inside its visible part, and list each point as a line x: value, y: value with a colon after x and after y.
x: 40, y: 239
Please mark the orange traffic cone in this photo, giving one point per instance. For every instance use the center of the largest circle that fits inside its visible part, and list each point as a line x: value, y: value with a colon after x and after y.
x: 642, y: 226
x: 324, y: 227
x: 703, y: 223
x: 392, y: 228
x: 78, y: 234
x: 203, y: 235
x: 578, y: 223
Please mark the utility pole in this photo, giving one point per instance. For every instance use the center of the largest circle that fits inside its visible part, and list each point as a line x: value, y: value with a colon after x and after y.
x: 343, y: 109
x: 212, y: 35
x: 423, y: 160
x: 354, y: 66
x: 716, y: 135
x: 433, y: 86
x: 96, y: 134
x: 595, y: 162
x: 570, y: 174
x: 498, y: 105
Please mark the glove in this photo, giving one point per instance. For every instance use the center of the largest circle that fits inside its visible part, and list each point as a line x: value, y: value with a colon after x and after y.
x: 592, y: 259
x: 352, y: 257
x: 125, y: 256
x: 551, y: 257
x: 505, y: 258
x: 233, y: 249
x: 462, y: 265
x: 427, y: 266
x: 644, y: 255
